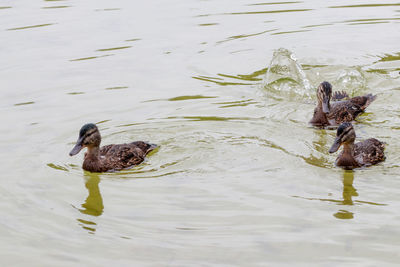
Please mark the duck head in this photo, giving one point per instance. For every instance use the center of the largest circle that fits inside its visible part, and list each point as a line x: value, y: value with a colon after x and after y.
x: 89, y: 136
x: 324, y: 94
x: 345, y: 135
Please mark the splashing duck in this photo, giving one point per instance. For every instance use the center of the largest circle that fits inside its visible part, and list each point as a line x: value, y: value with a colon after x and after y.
x: 109, y: 157
x: 327, y: 113
x: 365, y: 153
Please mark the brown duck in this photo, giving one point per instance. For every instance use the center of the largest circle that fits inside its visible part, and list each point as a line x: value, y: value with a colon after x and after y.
x: 365, y: 153
x: 327, y: 113
x: 110, y: 157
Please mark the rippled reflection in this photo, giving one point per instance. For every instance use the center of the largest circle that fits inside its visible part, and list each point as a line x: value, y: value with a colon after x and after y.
x: 348, y: 192
x: 344, y: 214
x: 93, y: 204
x: 348, y: 189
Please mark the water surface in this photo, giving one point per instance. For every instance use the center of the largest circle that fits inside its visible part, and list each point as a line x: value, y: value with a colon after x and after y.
x: 226, y: 89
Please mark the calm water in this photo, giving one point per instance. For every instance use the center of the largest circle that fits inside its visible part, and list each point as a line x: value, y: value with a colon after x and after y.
x: 226, y: 88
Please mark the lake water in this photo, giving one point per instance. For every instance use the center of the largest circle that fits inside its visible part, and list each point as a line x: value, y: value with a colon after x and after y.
x: 226, y: 88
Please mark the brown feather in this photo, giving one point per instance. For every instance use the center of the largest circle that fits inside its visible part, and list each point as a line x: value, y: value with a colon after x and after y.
x: 319, y: 118
x: 369, y: 152
x: 117, y: 157
x: 347, y: 161
x: 347, y: 111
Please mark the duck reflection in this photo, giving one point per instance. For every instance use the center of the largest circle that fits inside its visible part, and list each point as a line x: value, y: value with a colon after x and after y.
x: 93, y: 204
x: 348, y: 193
x: 348, y: 189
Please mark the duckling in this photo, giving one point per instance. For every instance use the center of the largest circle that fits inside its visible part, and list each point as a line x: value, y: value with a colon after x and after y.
x: 109, y: 157
x: 327, y: 113
x: 365, y: 153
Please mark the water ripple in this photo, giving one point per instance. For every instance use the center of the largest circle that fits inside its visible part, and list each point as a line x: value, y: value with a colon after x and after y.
x: 114, y: 48
x: 30, y: 27
x: 288, y: 32
x: 208, y: 24
x: 268, y: 12
x: 245, y: 36
x: 365, y: 5
x: 24, y: 103
x: 89, y: 58
x: 217, y: 80
x: 117, y: 87
x: 55, y: 7
x: 275, y: 3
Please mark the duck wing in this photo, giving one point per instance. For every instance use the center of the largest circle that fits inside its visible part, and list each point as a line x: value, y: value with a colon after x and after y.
x: 340, y: 95
x: 344, y: 111
x: 122, y: 156
x: 348, y: 110
x: 369, y: 152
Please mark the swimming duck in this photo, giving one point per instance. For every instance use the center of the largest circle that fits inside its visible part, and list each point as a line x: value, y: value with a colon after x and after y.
x: 327, y: 113
x: 110, y: 157
x: 365, y: 153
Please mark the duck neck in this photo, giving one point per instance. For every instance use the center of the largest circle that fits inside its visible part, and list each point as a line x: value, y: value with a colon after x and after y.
x: 346, y: 159
x: 93, y: 153
x: 320, y: 106
x: 92, y: 161
x: 348, y: 149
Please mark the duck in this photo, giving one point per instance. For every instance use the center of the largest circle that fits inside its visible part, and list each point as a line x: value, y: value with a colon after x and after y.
x: 361, y: 154
x: 110, y: 157
x: 345, y: 109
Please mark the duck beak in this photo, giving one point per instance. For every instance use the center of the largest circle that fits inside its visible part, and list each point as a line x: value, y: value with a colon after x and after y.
x: 336, y: 145
x: 78, y: 147
x: 325, y: 105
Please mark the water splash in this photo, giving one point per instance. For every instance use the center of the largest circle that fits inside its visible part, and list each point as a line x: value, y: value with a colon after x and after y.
x: 352, y: 80
x: 286, y: 77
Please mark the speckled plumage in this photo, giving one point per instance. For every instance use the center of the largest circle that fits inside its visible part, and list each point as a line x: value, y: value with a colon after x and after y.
x: 369, y: 152
x: 109, y: 157
x: 339, y: 111
x: 365, y: 153
x: 348, y: 110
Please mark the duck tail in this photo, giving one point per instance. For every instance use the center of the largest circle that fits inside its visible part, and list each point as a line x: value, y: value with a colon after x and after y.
x: 369, y: 99
x: 151, y: 148
x: 144, y: 146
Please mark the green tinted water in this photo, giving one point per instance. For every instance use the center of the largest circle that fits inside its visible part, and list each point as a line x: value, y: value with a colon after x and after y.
x: 240, y: 178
